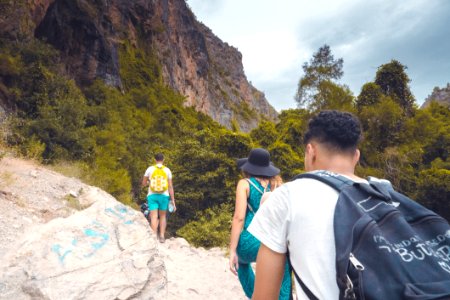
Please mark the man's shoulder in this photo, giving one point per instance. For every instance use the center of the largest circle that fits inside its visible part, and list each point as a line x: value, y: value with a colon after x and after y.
x: 149, y: 169
x: 307, y: 185
x: 302, y: 182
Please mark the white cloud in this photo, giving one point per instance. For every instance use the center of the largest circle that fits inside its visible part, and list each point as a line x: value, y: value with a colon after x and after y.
x: 267, y: 54
x: 277, y: 37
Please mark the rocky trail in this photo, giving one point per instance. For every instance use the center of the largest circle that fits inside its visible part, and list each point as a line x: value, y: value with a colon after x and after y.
x: 196, y: 273
x: 63, y: 239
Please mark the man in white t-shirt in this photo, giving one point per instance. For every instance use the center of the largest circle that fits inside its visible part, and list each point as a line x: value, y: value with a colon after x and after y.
x: 298, y: 216
x: 159, y: 195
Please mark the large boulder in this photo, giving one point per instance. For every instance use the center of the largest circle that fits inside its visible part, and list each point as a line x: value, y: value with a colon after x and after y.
x: 105, y: 251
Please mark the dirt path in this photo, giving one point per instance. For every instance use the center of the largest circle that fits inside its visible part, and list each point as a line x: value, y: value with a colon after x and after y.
x: 196, y: 273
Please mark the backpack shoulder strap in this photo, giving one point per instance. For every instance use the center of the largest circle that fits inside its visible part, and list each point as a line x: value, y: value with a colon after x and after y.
x: 336, y: 181
x: 305, y: 289
x: 375, y: 188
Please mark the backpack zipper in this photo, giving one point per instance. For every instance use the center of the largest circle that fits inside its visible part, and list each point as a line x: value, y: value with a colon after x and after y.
x: 350, y: 291
x: 356, y: 263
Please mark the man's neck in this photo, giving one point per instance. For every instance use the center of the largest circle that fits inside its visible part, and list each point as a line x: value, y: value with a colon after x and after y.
x: 339, y: 165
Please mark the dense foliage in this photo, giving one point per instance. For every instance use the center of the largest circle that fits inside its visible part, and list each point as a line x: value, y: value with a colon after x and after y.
x: 109, y: 136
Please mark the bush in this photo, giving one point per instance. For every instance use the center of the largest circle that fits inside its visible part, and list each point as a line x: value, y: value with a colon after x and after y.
x: 210, y: 229
x: 433, y: 189
x: 33, y: 148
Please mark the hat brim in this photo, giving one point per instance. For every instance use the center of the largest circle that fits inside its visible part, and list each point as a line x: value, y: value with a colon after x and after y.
x: 256, y: 170
x: 240, y: 162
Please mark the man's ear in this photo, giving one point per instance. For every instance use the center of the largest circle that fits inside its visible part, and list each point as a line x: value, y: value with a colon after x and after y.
x: 311, y: 150
x: 356, y: 156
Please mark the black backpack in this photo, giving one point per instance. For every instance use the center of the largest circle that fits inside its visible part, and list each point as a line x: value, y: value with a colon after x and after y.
x: 144, y: 209
x: 387, y: 245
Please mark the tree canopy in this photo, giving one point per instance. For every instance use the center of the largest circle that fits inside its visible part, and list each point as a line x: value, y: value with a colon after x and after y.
x: 322, y: 67
x: 394, y: 82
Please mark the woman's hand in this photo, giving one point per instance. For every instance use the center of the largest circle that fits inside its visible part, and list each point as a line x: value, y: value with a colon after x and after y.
x: 234, y: 266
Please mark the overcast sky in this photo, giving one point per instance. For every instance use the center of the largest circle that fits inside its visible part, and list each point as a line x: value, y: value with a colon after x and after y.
x: 276, y: 37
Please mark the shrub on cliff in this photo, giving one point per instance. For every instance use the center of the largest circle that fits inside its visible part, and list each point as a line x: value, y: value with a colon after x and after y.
x: 211, y: 227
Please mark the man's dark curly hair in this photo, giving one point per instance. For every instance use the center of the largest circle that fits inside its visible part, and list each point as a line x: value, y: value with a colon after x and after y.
x: 339, y: 130
x: 159, y: 157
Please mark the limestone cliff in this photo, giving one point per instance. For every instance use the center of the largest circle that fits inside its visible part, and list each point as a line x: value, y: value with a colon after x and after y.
x: 195, y: 62
x: 442, y: 96
x: 205, y: 69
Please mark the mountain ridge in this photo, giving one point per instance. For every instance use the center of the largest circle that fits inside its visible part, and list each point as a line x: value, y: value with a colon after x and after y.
x: 440, y: 95
x: 194, y: 61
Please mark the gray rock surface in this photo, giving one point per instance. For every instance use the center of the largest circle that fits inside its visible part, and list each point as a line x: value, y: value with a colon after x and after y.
x: 196, y: 273
x: 63, y: 239
x: 55, y: 249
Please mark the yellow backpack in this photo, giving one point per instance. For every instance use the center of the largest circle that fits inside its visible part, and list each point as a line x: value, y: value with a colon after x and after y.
x: 159, y: 182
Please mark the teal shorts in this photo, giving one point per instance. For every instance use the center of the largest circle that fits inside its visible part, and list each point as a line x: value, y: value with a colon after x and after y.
x: 158, y: 201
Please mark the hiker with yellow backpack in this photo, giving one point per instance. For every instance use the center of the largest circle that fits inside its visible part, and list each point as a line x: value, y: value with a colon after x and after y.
x: 160, y: 193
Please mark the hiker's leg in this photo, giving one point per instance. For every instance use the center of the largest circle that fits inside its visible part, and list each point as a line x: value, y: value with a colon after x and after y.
x: 162, y: 223
x: 154, y: 221
x: 246, y: 278
x: 153, y: 208
x: 163, y: 204
x: 247, y: 250
x: 286, y: 284
x: 248, y: 247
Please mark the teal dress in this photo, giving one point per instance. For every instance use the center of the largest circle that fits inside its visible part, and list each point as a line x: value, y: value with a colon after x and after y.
x: 248, y: 247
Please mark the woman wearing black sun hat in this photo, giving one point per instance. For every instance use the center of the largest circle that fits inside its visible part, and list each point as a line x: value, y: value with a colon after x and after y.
x: 258, y: 171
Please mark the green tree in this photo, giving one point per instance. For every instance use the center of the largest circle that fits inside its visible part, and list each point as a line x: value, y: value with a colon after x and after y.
x: 394, y: 82
x: 439, y: 142
x: 434, y: 191
x: 203, y: 178
x: 382, y: 124
x: 211, y: 227
x: 370, y: 94
x: 399, y: 164
x: 265, y: 134
x: 234, y: 145
x: 291, y: 127
x: 287, y: 160
x: 332, y: 96
x: 322, y: 67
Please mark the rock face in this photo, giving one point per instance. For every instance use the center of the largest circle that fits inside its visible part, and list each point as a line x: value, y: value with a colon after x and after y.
x: 62, y: 239
x: 441, y: 95
x: 205, y: 69
x: 194, y: 61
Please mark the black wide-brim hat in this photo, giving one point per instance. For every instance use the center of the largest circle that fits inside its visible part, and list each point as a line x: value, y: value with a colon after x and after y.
x: 240, y: 162
x: 258, y: 163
